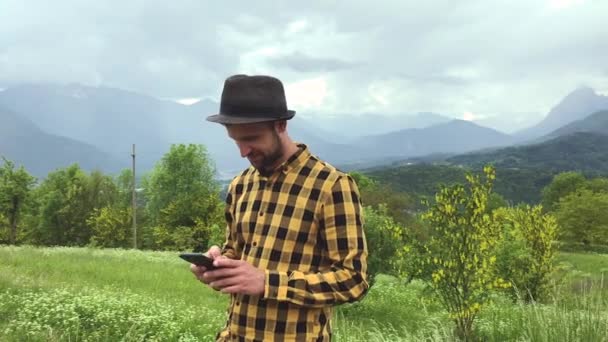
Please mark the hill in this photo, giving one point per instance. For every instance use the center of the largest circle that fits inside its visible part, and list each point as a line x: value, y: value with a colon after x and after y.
x: 111, y: 120
x: 575, y: 106
x: 596, y: 122
x: 586, y: 152
x: 26, y: 144
x: 456, y: 136
x: 515, y: 186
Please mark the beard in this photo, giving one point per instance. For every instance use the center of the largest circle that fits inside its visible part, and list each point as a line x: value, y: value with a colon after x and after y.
x: 265, y: 161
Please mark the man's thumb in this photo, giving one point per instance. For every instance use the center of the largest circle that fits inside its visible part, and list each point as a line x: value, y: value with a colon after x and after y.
x: 214, y: 252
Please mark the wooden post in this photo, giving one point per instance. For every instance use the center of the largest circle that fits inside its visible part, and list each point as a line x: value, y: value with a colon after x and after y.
x: 134, y: 204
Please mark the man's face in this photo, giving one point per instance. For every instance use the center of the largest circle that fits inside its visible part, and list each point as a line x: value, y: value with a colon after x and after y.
x: 259, y: 143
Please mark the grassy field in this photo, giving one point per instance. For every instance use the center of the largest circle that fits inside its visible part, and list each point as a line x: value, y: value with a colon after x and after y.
x: 81, y: 294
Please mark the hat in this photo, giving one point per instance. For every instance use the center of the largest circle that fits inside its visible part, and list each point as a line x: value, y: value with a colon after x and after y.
x: 250, y: 99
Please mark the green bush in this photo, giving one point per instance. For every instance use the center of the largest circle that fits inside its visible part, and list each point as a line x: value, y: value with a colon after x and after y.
x: 527, y: 250
x: 381, y: 245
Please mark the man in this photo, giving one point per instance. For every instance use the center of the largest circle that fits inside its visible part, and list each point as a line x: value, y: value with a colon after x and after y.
x: 295, y: 245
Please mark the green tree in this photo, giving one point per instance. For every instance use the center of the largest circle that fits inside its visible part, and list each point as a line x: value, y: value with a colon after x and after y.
x: 599, y: 184
x: 399, y: 205
x: 67, y: 199
x: 496, y: 201
x: 460, y: 255
x: 111, y: 227
x: 583, y: 217
x: 382, y: 246
x: 183, y: 204
x: 526, y: 252
x: 15, y: 188
x: 563, y: 184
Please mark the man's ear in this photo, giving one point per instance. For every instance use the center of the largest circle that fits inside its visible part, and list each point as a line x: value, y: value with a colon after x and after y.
x: 280, y: 126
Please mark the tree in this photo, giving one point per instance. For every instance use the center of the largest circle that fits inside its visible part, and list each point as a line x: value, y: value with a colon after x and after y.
x: 183, y: 204
x: 124, y: 184
x: 67, y: 198
x: 110, y: 226
x: 562, y: 185
x: 15, y: 188
x: 583, y: 217
x: 382, y: 246
x: 597, y: 184
x: 460, y: 254
x: 526, y: 251
x: 398, y: 205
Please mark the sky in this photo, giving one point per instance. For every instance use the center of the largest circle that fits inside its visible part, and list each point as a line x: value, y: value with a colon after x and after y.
x: 504, y: 63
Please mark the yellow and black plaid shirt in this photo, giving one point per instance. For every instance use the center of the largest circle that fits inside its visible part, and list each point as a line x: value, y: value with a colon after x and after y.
x: 303, y: 226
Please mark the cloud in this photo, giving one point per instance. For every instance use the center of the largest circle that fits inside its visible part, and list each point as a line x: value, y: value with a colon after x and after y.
x: 309, y: 93
x: 301, y: 62
x: 563, y: 4
x: 447, y: 57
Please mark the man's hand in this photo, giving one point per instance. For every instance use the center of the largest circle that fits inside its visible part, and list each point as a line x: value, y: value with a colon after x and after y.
x: 235, y: 276
x: 214, y: 253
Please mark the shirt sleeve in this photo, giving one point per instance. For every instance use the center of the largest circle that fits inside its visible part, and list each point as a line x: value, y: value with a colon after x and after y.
x: 230, y: 248
x: 341, y: 226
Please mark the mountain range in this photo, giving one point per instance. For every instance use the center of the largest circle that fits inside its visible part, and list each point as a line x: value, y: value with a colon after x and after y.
x: 45, y: 126
x: 580, y: 146
x: 24, y: 142
x: 575, y: 106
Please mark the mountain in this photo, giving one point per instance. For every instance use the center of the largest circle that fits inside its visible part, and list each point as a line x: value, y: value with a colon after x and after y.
x: 350, y: 126
x: 26, y: 144
x: 575, y: 106
x: 596, y: 122
x: 456, y: 136
x: 580, y: 151
x: 423, y: 180
x: 112, y: 120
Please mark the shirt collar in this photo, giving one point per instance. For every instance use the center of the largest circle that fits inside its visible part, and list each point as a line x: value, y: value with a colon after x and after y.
x: 293, y: 162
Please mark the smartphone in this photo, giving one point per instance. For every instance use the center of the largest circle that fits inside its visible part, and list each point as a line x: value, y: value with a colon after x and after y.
x: 198, y: 259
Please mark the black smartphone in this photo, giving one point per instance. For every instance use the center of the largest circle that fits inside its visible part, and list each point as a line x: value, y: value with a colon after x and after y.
x: 198, y: 259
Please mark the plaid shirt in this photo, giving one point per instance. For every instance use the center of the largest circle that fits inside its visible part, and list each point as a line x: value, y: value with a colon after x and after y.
x: 302, y: 225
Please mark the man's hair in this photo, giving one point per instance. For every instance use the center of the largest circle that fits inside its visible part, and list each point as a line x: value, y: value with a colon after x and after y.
x: 269, y: 124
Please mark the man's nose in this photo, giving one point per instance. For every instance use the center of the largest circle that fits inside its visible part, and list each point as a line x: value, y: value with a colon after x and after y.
x: 244, y: 149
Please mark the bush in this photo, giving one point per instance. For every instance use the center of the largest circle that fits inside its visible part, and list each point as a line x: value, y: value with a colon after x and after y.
x: 527, y: 249
x: 381, y: 245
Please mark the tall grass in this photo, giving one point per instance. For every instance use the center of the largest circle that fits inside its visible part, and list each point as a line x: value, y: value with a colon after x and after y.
x: 78, y: 294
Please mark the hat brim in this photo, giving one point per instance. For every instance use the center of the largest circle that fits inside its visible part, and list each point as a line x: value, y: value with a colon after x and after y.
x: 231, y: 119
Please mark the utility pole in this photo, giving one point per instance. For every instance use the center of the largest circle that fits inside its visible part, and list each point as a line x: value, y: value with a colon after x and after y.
x: 134, y: 204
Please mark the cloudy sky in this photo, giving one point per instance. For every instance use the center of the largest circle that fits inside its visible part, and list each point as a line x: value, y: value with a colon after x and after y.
x: 505, y: 62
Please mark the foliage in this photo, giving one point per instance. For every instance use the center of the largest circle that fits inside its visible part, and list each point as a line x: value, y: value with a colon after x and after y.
x: 583, y: 216
x: 562, y: 184
x: 66, y: 199
x: 398, y: 205
x: 111, y: 227
x: 496, y: 201
x: 381, y: 245
x: 460, y: 255
x: 15, y: 190
x: 4, y: 233
x: 423, y: 180
x: 583, y: 151
x: 183, y: 204
x: 527, y: 250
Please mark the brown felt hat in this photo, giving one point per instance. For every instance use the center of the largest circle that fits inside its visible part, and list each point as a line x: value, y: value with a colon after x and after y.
x: 250, y: 99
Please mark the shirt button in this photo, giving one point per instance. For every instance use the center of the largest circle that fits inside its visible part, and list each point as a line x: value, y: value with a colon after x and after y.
x: 254, y: 243
x: 261, y: 213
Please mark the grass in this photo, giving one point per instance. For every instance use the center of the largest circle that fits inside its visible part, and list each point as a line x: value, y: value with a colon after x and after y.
x: 78, y: 294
